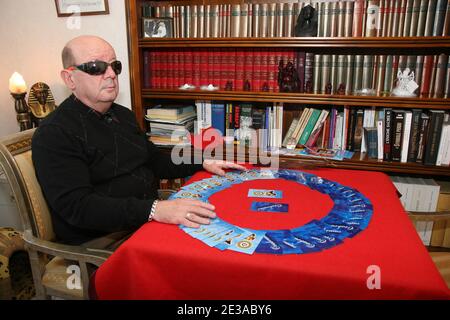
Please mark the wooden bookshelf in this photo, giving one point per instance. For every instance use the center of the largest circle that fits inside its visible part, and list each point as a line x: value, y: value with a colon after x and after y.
x: 141, y: 97
x: 308, y: 42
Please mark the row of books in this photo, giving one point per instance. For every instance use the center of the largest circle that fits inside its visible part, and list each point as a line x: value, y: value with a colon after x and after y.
x: 259, y: 70
x: 235, y: 119
x: 417, y: 136
x: 374, y: 18
x: 426, y: 195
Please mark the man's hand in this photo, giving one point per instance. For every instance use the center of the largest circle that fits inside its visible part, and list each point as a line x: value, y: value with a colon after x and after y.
x: 218, y: 166
x: 188, y: 212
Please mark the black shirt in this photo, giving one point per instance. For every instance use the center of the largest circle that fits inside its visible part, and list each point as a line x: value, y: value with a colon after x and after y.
x: 98, y: 173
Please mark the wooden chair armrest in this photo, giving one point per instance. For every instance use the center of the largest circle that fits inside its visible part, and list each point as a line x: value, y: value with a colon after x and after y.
x: 163, y: 194
x: 429, y: 216
x: 76, y: 253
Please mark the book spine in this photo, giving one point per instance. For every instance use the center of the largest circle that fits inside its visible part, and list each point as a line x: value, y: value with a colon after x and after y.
x: 216, y: 66
x: 402, y: 14
x: 349, y: 74
x: 309, y: 70
x: 446, y: 30
x: 235, y: 20
x: 414, y: 18
x: 438, y: 27
x: 196, y: 59
x: 429, y: 21
x: 388, y: 125
x: 240, y: 56
x: 408, y: 15
x: 397, y: 135
x: 441, y: 70
x: 349, y: 11
x: 243, y: 23
x: 426, y: 76
x: 248, y: 69
x: 422, y: 18
x: 147, y: 69
x: 406, y: 136
x: 423, y: 135
x: 434, y: 136
x: 373, y: 18
x: 317, y: 72
x: 414, y: 137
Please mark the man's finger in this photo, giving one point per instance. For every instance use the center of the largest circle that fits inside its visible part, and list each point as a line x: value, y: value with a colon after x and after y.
x: 197, y: 219
x: 202, y: 211
x: 202, y: 204
x: 232, y: 165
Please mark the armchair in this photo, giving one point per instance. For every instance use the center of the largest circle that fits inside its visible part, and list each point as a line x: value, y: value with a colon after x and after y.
x: 49, y: 260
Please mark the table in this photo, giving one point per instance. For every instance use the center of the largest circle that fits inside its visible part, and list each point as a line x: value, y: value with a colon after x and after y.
x: 161, y: 261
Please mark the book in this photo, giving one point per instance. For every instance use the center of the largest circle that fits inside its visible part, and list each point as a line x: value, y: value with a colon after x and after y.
x: 397, y: 134
x: 406, y: 134
x: 434, y: 136
x: 370, y: 135
x: 169, y: 111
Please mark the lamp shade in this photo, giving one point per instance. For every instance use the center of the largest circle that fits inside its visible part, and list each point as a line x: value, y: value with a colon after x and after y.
x: 16, y: 84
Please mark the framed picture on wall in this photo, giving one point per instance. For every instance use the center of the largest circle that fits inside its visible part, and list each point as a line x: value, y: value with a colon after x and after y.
x: 157, y: 27
x: 66, y: 8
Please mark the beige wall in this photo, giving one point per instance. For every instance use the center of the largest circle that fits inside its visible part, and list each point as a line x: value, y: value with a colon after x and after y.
x: 31, y: 39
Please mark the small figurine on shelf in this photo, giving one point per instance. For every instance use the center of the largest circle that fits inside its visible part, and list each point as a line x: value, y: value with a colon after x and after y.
x: 288, y: 77
x: 341, y: 89
x: 244, y: 133
x: 328, y: 88
x: 308, y: 87
x: 229, y: 86
x: 247, y: 86
x: 405, y: 84
x: 306, y: 22
x: 265, y: 87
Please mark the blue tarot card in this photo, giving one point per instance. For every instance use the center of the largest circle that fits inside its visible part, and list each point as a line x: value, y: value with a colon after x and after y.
x: 268, y: 245
x: 269, y: 206
x: 262, y: 193
x: 286, y: 241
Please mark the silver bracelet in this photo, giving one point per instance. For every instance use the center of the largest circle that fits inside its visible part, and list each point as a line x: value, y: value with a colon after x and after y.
x: 152, y: 210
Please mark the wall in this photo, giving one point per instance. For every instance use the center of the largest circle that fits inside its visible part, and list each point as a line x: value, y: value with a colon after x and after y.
x: 32, y: 37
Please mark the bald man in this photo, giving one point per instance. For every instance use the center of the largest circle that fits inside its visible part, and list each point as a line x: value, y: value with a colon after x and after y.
x: 97, y: 169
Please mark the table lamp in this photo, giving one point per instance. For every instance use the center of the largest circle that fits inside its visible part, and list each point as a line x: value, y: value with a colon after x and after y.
x: 18, y: 89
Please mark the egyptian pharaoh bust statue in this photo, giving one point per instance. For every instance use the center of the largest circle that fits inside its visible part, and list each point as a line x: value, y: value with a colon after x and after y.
x: 40, y: 102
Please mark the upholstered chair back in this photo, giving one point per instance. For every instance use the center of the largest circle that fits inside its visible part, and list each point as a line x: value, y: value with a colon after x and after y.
x: 15, y: 158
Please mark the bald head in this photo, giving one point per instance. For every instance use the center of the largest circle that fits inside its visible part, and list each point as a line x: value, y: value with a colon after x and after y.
x: 80, y: 48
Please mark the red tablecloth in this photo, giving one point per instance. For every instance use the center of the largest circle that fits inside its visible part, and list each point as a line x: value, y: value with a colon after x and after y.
x: 162, y: 262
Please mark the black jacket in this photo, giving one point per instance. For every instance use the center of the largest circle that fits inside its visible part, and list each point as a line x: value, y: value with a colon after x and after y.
x: 98, y: 173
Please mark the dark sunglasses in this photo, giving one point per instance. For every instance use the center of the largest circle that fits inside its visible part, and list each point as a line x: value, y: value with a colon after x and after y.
x: 97, y: 67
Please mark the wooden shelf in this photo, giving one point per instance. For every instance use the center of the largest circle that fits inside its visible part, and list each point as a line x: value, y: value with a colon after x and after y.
x: 308, y: 42
x: 358, y: 162
x: 394, y: 102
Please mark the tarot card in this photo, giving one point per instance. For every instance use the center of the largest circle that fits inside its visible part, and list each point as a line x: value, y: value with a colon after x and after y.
x: 286, y: 240
x: 263, y: 193
x: 268, y: 245
x: 248, y: 244
x: 269, y: 206
x: 232, y: 237
x: 221, y: 236
x: 314, y: 231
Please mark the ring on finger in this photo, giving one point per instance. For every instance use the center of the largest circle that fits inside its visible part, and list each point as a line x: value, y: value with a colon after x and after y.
x: 188, y: 216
